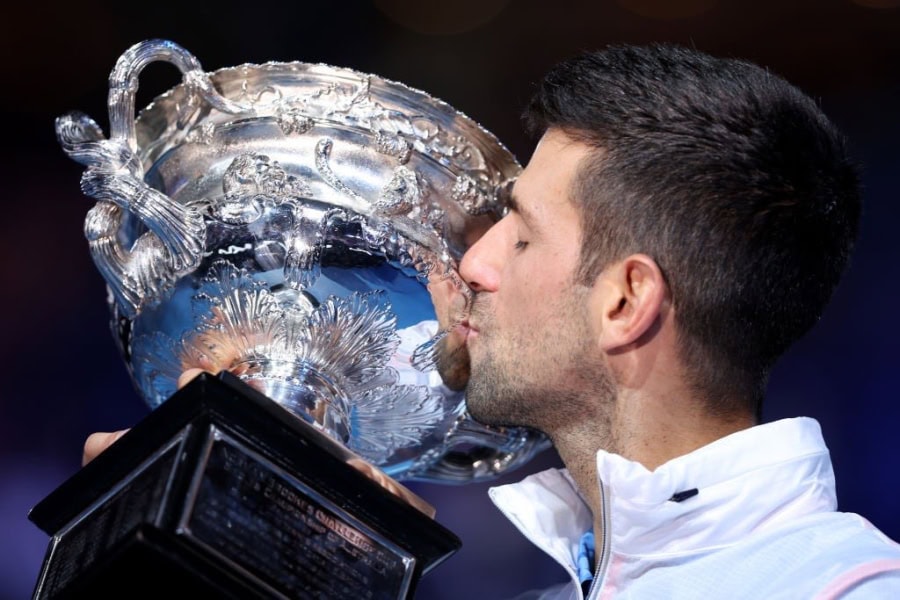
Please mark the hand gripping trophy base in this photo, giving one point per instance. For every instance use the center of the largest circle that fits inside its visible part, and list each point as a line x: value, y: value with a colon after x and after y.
x: 222, y: 493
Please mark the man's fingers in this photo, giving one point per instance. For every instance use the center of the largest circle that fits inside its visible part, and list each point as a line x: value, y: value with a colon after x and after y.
x: 187, y: 376
x: 98, y: 442
x: 382, y: 479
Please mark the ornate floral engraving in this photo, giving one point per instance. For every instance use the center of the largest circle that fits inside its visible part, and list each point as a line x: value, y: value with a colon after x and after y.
x: 393, y: 145
x: 252, y: 179
x: 339, y: 350
x: 475, y: 195
x: 252, y: 175
x: 293, y: 121
x: 396, y: 133
x: 401, y: 194
x: 396, y: 416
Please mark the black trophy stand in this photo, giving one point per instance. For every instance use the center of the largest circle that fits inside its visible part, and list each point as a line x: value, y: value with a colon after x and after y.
x: 222, y: 493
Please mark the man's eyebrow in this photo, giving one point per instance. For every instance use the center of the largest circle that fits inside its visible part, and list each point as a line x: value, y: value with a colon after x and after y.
x: 512, y: 203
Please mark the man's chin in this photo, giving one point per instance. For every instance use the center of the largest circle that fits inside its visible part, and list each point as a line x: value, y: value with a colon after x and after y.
x: 490, y: 418
x: 485, y: 404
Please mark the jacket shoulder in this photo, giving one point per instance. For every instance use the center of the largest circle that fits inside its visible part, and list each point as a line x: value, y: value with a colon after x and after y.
x: 836, y: 553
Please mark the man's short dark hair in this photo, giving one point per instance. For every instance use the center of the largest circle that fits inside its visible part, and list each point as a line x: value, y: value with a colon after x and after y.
x: 732, y: 179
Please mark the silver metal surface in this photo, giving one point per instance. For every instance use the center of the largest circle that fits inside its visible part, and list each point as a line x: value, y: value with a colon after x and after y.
x: 280, y: 221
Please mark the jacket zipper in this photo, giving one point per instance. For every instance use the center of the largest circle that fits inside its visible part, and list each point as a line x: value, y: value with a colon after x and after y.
x: 603, y: 557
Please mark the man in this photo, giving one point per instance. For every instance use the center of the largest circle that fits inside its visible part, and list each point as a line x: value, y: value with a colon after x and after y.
x: 682, y: 221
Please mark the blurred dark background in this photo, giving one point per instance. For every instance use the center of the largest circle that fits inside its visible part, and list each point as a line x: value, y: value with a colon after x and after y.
x: 64, y: 379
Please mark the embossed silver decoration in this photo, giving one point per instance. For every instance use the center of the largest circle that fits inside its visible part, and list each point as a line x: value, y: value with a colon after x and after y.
x: 279, y: 221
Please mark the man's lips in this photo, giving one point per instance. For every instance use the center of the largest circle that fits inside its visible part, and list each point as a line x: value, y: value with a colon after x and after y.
x: 466, y: 328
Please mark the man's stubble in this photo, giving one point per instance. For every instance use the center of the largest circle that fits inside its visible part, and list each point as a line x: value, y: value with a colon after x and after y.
x: 546, y: 377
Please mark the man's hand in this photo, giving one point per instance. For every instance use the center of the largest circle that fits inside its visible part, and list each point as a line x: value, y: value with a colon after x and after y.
x: 391, y: 485
x: 98, y: 442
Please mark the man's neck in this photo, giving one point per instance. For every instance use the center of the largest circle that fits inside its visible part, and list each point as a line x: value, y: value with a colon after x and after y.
x: 651, y: 433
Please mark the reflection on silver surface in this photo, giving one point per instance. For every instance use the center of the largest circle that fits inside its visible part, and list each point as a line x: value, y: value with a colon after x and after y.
x: 281, y: 221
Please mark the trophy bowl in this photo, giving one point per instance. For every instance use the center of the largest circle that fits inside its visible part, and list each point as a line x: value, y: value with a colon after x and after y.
x: 279, y: 224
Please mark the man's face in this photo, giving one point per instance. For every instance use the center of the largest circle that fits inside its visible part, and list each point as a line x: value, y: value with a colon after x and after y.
x: 530, y: 339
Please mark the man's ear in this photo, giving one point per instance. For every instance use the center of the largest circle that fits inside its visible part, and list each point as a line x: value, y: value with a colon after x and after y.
x: 629, y: 299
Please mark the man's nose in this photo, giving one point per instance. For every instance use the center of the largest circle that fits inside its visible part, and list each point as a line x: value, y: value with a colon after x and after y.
x: 480, y: 265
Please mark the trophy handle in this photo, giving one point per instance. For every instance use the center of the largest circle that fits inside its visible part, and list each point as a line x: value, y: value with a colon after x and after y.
x: 114, y: 176
x: 478, y: 452
x: 123, y: 85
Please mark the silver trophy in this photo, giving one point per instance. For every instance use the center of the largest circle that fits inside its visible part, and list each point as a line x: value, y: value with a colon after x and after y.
x: 277, y: 224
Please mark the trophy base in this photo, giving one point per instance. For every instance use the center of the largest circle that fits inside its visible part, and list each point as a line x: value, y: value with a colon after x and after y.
x: 221, y: 491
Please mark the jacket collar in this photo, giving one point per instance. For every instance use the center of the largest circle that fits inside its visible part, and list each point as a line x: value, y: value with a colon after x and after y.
x: 746, y: 482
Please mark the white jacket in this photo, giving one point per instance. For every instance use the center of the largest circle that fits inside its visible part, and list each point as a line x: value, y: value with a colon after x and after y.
x: 763, y: 524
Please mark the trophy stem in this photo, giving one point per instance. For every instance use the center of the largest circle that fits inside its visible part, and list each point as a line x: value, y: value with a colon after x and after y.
x: 304, y: 391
